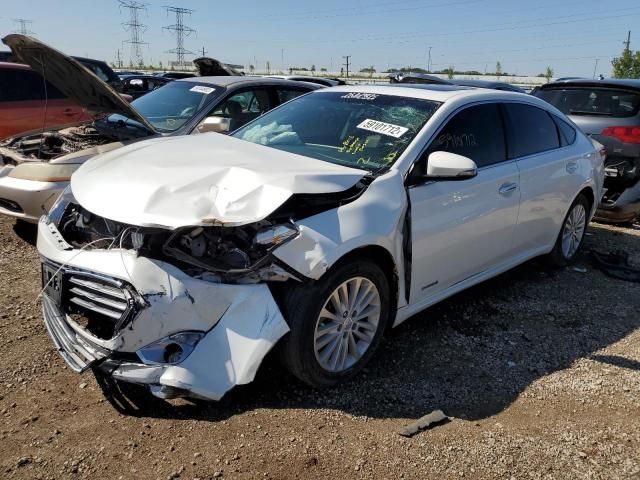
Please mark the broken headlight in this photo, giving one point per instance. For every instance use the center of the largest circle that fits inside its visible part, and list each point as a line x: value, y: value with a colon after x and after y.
x: 60, y: 205
x: 170, y: 350
x: 228, y: 249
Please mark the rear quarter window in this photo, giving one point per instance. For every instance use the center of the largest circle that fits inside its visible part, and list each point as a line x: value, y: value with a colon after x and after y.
x: 592, y: 101
x: 567, y: 132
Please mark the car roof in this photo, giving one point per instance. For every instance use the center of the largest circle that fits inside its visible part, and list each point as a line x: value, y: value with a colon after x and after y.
x: 12, y: 65
x: 227, y: 81
x: 483, y: 84
x: 141, y: 75
x: 438, y: 93
x: 587, y: 82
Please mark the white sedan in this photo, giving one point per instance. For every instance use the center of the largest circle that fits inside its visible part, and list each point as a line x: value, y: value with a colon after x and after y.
x: 314, y: 227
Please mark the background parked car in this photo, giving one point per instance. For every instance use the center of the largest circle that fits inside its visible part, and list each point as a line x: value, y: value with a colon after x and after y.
x: 99, y: 67
x: 324, y: 81
x: 609, y: 112
x: 175, y: 75
x: 38, y: 165
x: 138, y: 85
x: 433, y: 80
x: 23, y: 106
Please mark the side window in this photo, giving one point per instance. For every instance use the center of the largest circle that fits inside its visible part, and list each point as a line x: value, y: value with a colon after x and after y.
x: 476, y: 133
x: 243, y: 107
x: 566, y: 131
x: 20, y: 86
x: 286, y: 94
x: 531, y: 130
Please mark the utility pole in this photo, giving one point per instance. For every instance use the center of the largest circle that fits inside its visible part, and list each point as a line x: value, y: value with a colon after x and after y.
x: 22, y: 26
x: 346, y: 64
x: 119, y: 62
x: 627, y: 44
x: 204, y: 53
x: 282, y: 58
x: 595, y: 68
x: 180, y: 30
x: 135, y: 29
x: 429, y: 61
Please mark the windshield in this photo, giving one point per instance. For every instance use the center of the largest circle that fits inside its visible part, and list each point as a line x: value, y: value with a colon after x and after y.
x: 361, y: 130
x: 172, y: 105
x: 592, y: 101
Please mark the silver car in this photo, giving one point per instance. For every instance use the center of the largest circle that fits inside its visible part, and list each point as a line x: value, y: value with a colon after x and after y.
x: 609, y: 112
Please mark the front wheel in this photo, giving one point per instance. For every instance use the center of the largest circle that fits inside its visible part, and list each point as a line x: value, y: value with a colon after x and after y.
x: 336, y: 323
x: 572, y: 234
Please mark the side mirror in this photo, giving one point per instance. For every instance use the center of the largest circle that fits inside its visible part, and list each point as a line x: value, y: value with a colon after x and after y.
x: 450, y: 166
x: 215, y: 124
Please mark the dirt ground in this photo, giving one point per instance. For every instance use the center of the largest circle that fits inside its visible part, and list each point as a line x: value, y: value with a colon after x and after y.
x: 538, y: 369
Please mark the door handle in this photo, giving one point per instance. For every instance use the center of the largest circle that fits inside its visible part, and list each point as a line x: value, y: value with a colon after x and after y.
x: 507, y: 188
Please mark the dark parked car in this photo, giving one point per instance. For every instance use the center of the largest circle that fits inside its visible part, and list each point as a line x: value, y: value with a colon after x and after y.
x: 609, y: 112
x: 139, y: 85
x: 433, y: 80
x: 175, y: 75
x: 99, y: 67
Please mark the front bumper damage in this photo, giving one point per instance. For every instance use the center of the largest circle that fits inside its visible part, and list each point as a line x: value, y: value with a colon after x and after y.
x: 240, y: 323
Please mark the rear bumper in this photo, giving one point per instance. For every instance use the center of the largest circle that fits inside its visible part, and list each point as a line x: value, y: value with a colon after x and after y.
x: 27, y: 199
x: 625, y: 209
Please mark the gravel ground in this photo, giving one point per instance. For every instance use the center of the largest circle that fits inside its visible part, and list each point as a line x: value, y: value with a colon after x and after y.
x: 538, y: 369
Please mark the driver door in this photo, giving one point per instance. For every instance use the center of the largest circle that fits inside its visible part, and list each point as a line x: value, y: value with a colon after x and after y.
x: 243, y: 106
x: 462, y: 228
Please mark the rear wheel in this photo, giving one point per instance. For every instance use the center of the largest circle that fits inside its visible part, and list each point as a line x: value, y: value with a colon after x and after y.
x: 572, y: 234
x: 336, y: 323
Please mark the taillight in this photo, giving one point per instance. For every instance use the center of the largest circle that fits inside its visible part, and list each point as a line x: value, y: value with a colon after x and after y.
x: 624, y: 134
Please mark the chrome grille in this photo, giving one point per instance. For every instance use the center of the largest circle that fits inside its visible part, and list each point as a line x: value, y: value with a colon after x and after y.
x: 86, y: 293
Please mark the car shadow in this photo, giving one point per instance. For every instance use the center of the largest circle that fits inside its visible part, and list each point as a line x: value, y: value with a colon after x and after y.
x: 26, y: 231
x: 471, y: 355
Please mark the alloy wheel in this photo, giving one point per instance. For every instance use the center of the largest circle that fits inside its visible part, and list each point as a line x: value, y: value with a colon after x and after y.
x: 573, y: 230
x: 347, y: 324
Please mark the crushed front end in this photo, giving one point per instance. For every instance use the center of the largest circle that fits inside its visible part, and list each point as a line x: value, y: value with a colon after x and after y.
x: 186, y: 312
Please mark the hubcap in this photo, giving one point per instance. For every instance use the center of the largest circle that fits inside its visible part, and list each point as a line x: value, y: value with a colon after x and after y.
x: 573, y: 230
x: 347, y: 324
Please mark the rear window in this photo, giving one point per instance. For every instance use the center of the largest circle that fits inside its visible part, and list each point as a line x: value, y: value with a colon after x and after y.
x: 592, y: 101
x: 531, y: 130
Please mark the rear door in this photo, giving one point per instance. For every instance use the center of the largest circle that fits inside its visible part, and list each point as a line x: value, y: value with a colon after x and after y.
x: 463, y: 228
x: 22, y: 104
x: 549, y: 173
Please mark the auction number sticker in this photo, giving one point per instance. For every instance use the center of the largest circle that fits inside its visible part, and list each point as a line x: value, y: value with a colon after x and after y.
x: 382, y: 127
x: 360, y: 96
x: 202, y: 89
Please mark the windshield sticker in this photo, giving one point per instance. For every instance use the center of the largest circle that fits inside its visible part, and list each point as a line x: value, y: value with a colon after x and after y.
x: 360, y: 96
x: 389, y: 129
x: 202, y: 89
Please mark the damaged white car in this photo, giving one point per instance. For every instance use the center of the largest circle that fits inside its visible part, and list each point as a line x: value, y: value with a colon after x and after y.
x: 315, y: 227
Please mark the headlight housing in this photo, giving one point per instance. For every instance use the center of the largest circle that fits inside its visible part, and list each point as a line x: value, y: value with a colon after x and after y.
x: 45, y: 172
x: 229, y: 250
x: 60, y: 205
x: 170, y: 350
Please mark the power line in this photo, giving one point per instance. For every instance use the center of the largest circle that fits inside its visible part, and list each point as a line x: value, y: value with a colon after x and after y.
x: 135, y: 29
x: 180, y: 30
x: 22, y: 26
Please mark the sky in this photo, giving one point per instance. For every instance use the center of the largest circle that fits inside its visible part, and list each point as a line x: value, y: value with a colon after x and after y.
x: 525, y: 37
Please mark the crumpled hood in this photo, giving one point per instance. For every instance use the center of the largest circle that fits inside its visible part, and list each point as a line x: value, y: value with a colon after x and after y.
x: 203, y: 179
x: 71, y: 78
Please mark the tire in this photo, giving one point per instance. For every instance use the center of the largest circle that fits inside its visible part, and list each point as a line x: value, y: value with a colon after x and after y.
x: 302, y: 307
x: 560, y: 256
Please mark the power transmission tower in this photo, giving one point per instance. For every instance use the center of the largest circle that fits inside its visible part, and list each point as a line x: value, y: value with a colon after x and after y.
x: 346, y: 64
x: 627, y: 44
x: 135, y: 28
x: 180, y: 30
x: 22, y: 26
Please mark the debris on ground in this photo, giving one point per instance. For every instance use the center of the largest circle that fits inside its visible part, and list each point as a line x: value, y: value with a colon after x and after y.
x: 616, y: 265
x: 432, y: 419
